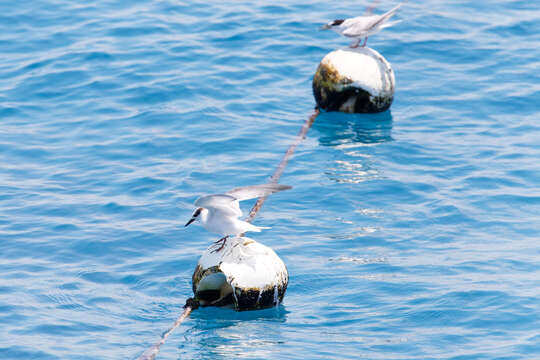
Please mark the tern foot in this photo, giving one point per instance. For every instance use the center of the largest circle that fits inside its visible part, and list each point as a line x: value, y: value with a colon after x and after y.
x: 222, y: 241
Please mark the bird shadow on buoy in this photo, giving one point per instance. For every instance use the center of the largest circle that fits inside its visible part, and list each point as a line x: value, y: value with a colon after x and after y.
x: 336, y: 128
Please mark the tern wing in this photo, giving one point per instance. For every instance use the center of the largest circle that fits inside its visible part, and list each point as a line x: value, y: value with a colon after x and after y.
x: 256, y: 191
x: 363, y: 24
x: 223, y: 203
x: 358, y: 26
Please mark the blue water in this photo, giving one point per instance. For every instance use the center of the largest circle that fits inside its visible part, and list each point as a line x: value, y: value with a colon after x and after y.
x: 411, y: 234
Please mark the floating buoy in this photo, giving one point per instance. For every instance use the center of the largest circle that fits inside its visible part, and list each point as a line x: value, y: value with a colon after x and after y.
x: 243, y: 274
x: 354, y: 80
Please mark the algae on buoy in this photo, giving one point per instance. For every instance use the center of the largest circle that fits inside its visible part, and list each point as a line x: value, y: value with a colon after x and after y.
x: 243, y: 274
x: 354, y: 80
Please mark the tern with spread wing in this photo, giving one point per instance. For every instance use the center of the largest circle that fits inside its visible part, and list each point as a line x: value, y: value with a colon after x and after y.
x: 362, y: 27
x: 219, y: 213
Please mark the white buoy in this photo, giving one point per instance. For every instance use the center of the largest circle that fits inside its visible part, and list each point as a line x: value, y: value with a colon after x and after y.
x: 244, y: 273
x: 354, y: 80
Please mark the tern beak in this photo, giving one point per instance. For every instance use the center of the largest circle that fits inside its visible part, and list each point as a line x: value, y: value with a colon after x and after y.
x: 325, y: 27
x: 194, y: 216
x: 190, y: 221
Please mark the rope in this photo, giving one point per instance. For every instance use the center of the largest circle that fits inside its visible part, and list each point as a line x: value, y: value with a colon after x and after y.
x: 371, y: 7
x: 281, y: 167
x: 151, y: 353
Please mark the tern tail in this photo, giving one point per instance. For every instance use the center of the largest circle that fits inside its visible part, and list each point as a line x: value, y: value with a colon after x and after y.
x: 386, y: 16
x: 250, y: 227
x: 388, y: 24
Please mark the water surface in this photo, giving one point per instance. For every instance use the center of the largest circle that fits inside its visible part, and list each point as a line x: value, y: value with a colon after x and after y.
x: 411, y: 234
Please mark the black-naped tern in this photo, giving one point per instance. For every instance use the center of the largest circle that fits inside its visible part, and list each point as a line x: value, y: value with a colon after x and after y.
x: 361, y: 27
x: 219, y: 213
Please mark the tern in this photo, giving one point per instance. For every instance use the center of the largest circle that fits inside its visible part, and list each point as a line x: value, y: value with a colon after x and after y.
x: 361, y: 27
x: 219, y: 213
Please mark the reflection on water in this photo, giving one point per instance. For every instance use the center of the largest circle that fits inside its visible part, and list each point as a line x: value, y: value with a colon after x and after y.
x: 219, y: 333
x: 340, y: 129
x: 354, y: 136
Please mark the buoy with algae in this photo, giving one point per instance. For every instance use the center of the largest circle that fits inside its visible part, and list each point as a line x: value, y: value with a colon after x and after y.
x: 354, y: 80
x: 243, y: 274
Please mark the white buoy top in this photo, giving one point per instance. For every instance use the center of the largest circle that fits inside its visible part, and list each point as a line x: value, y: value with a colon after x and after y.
x: 365, y: 67
x: 247, y: 264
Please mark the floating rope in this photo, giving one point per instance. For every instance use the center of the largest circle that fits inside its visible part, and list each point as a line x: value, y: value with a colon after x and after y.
x: 151, y: 353
x: 371, y: 7
x: 281, y: 167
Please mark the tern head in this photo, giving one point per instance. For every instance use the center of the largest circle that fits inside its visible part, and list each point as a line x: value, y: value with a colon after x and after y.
x: 332, y: 24
x: 195, y: 215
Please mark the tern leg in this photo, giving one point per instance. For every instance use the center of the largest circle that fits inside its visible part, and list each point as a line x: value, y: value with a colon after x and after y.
x: 355, y: 43
x: 222, y: 241
x: 365, y: 42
